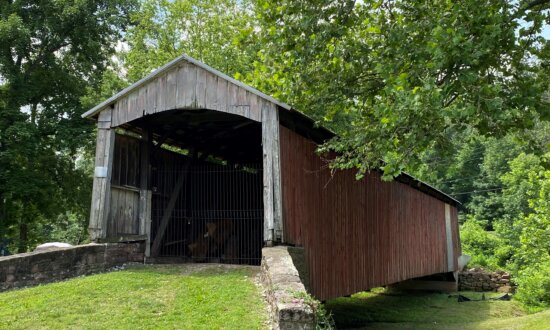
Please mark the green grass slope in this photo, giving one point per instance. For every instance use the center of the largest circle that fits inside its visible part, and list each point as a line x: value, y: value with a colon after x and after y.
x: 149, y: 297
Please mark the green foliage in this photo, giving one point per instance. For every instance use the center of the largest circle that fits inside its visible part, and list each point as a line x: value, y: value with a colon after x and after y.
x: 51, y: 53
x: 218, y: 33
x: 394, y: 78
x: 323, y: 319
x: 534, y: 285
x: 486, y: 248
x: 534, y: 227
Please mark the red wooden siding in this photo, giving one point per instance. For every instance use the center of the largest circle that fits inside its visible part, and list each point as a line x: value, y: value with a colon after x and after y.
x: 358, y: 234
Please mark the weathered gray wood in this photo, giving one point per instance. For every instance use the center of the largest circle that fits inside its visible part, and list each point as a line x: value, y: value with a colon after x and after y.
x: 181, y: 78
x: 449, y: 237
x: 148, y: 223
x: 221, y: 93
x: 243, y: 103
x: 144, y: 206
x: 200, y: 89
x: 170, y: 90
x: 133, y: 110
x: 211, y: 92
x: 232, y: 90
x: 123, y: 214
x: 273, y: 226
x: 151, y: 105
x: 267, y: 142
x: 189, y: 82
x: 101, y: 192
x: 277, y: 189
x: 184, y: 59
x: 142, y: 101
x: 122, y: 111
x: 167, y: 214
x: 187, y: 86
x: 161, y: 93
x: 255, y: 110
x: 113, y: 215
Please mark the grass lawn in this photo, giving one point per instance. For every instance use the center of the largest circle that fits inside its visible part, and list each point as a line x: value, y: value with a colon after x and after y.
x: 160, y: 297
x: 378, y: 310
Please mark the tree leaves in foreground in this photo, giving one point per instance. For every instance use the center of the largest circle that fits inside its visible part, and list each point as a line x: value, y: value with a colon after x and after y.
x: 50, y: 51
x: 394, y: 78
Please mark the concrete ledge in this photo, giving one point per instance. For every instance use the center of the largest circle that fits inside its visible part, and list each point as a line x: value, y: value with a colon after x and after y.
x: 29, y: 269
x: 284, y: 289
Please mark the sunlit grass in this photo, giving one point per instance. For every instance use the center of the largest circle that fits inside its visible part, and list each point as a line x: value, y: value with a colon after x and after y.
x: 159, y: 297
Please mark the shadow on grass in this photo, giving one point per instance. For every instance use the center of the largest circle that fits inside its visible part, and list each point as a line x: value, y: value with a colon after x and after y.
x: 416, y: 310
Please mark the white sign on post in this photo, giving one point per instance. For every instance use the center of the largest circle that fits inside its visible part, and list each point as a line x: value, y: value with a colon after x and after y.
x: 100, y: 172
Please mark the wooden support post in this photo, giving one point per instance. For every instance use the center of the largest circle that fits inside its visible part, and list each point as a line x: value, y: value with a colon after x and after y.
x: 101, y: 193
x: 144, y: 192
x: 155, y: 248
x: 273, y: 227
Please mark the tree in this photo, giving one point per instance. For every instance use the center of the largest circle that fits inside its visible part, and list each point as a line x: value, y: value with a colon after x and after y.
x: 394, y: 78
x: 212, y: 31
x: 50, y: 51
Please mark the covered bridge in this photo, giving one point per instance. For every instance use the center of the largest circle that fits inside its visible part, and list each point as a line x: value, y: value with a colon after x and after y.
x: 205, y: 168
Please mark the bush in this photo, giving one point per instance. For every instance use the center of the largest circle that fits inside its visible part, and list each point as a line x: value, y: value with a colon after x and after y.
x: 485, y: 247
x: 534, y: 285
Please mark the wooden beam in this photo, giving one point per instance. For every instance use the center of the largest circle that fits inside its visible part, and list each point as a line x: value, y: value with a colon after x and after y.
x: 155, y: 248
x: 273, y: 226
x: 101, y: 191
x: 144, y: 192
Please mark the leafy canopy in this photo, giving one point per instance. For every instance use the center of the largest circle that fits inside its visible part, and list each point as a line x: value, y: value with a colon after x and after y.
x: 217, y: 32
x: 50, y: 51
x: 393, y: 78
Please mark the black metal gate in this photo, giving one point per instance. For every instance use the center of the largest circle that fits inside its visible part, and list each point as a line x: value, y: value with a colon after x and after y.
x: 218, y: 212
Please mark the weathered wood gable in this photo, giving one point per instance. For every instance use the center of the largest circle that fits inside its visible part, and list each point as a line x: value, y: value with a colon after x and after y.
x: 185, y: 83
x: 187, y: 86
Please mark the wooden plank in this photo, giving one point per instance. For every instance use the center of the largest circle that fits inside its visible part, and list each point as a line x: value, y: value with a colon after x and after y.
x: 167, y: 214
x: 243, y: 102
x: 161, y: 90
x: 113, y: 216
x: 101, y: 192
x: 145, y: 170
x: 142, y: 101
x: 122, y: 111
x: 232, y: 106
x: 170, y: 90
x: 200, y: 89
x: 132, y: 109
x: 181, y: 85
x: 267, y: 144
x: 189, y: 82
x: 151, y: 105
x: 221, y: 93
x: 211, y: 92
x: 148, y: 223
x: 277, y: 192
x: 255, y: 110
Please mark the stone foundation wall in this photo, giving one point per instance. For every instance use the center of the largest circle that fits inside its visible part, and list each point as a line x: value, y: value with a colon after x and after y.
x: 284, y: 289
x: 478, y: 279
x: 28, y: 269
